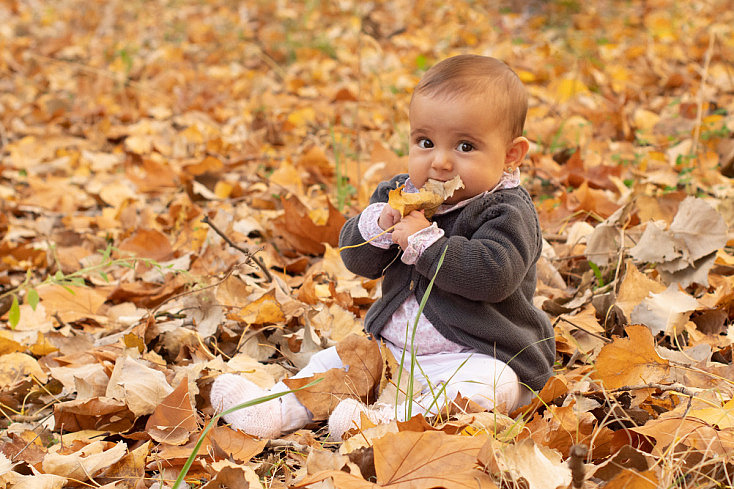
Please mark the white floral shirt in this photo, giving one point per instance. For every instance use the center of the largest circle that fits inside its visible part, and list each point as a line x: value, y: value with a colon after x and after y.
x: 429, y: 340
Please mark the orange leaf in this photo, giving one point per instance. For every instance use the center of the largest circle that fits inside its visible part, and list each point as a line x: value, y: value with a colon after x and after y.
x: 265, y: 310
x: 428, y: 198
x: 304, y: 235
x: 429, y: 459
x: 148, y: 243
x: 173, y: 420
x: 631, y: 479
x: 630, y: 361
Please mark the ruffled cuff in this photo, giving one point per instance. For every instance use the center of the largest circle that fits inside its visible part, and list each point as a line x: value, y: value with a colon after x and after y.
x: 369, y: 227
x: 418, y: 243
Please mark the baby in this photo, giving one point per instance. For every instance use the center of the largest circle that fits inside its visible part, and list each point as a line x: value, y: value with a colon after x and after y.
x: 479, y: 334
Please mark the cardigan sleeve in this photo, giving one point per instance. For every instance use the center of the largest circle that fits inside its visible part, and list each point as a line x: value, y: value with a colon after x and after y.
x: 368, y: 261
x: 492, y: 263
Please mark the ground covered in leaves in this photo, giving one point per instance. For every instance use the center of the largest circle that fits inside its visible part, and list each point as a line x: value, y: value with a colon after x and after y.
x: 223, y: 143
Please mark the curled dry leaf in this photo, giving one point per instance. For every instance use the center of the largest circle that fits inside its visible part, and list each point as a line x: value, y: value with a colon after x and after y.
x: 173, y: 420
x: 362, y: 355
x: 428, y: 198
x: 85, y: 463
x: 541, y: 467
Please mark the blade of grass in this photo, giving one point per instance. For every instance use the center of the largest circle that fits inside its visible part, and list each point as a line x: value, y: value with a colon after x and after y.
x: 421, y: 306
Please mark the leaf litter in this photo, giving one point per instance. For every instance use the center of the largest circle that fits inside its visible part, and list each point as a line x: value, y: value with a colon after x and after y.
x: 224, y: 145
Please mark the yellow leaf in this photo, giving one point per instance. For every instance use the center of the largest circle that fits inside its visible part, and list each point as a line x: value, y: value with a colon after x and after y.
x: 723, y: 416
x: 428, y: 198
x: 302, y: 117
x: 42, y: 346
x: 18, y: 366
x: 266, y: 309
x: 567, y: 88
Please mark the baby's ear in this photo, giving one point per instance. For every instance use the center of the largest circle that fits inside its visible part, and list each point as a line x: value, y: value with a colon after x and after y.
x: 516, y: 152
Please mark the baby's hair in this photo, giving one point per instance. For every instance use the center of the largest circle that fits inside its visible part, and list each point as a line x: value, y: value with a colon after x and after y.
x: 472, y: 74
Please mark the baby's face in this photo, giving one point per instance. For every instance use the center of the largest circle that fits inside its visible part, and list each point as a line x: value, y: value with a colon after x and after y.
x: 456, y: 136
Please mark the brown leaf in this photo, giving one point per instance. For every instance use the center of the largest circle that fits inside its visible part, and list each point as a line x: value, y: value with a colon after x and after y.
x: 365, y: 369
x: 101, y: 413
x: 72, y: 303
x: 302, y: 233
x: 173, y: 420
x: 129, y: 468
x: 630, y: 361
x: 148, y: 243
x: 429, y: 459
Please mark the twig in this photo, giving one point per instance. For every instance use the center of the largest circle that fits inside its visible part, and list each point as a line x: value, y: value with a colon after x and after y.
x: 581, y: 328
x: 576, y: 464
x: 250, y: 256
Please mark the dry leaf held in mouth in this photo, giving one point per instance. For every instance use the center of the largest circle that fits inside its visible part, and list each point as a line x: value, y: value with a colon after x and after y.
x: 428, y: 198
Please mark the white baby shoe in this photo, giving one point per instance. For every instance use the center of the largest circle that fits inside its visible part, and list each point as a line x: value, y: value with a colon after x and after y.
x: 263, y: 420
x: 347, y: 415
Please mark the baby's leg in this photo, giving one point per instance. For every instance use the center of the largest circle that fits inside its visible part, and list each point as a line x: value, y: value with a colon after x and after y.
x: 481, y: 378
x: 271, y: 418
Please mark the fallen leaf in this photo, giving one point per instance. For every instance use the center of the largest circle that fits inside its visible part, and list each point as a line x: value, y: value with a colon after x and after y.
x: 173, y: 420
x: 364, y: 362
x: 630, y: 361
x: 666, y: 312
x: 139, y: 386
x: 99, y: 413
x: 86, y: 463
x: 304, y: 235
x: 722, y: 417
x: 538, y: 466
x: 16, y: 367
x: 72, y: 303
x: 631, y: 479
x: 429, y: 459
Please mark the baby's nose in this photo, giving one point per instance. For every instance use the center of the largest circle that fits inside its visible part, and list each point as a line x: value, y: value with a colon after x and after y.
x: 442, y: 160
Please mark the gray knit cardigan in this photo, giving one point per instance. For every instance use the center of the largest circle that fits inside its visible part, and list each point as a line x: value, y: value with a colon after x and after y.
x: 482, y: 296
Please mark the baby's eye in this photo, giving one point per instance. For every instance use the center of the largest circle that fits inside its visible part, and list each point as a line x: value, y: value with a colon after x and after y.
x: 425, y: 143
x: 465, y: 147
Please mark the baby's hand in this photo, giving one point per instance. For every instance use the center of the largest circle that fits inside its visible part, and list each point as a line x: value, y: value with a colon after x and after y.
x: 410, y: 224
x: 388, y: 217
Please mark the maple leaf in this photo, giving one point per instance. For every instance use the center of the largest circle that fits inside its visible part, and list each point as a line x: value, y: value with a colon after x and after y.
x: 630, y: 361
x: 431, y: 458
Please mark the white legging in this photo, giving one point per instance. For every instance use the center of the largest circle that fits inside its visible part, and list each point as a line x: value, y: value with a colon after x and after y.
x: 476, y: 376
